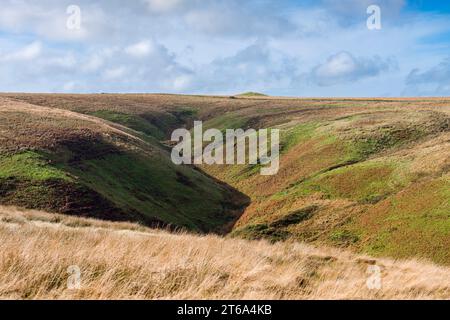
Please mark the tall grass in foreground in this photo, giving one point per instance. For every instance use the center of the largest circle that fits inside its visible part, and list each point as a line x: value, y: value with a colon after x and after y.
x: 125, y: 261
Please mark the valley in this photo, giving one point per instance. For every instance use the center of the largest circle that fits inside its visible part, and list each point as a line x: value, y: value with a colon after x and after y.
x: 366, y: 175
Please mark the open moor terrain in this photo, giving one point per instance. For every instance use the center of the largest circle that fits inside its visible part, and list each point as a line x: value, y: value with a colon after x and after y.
x: 368, y: 175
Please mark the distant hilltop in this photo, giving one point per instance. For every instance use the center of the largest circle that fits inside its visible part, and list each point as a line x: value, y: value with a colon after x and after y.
x: 252, y: 94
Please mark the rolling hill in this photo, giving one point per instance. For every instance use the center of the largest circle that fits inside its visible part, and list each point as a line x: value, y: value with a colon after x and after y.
x: 66, y: 162
x: 371, y: 175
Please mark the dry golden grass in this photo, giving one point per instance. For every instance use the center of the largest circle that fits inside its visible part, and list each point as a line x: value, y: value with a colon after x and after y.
x: 126, y: 261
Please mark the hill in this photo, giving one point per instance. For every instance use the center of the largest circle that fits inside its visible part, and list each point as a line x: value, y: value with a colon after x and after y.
x: 66, y: 162
x: 371, y: 175
x: 252, y: 94
x: 127, y: 261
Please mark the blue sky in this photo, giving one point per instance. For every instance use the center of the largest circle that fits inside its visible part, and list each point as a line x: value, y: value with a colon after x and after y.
x: 429, y: 5
x: 319, y: 48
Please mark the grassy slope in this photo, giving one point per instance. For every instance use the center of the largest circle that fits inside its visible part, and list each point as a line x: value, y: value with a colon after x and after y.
x: 349, y: 178
x: 353, y: 161
x: 64, y: 162
x: 127, y: 261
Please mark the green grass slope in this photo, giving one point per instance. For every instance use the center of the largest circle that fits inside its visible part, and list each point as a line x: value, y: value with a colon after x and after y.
x: 71, y: 163
x: 377, y: 188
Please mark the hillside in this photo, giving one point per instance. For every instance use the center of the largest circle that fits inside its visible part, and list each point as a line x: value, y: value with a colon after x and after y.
x: 66, y: 162
x: 126, y: 261
x: 368, y: 175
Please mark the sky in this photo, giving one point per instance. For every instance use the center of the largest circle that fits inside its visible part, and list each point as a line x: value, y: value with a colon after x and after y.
x: 309, y: 48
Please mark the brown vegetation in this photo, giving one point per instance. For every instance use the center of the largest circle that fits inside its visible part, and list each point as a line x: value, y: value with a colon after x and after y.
x: 126, y: 261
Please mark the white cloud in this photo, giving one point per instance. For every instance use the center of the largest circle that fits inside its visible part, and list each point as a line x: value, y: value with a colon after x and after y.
x: 344, y: 67
x: 235, y: 18
x: 350, y: 10
x: 48, y: 19
x: 438, y: 74
x: 29, y: 52
x: 181, y: 82
x: 434, y: 81
x: 65, y: 61
x: 115, y: 73
x: 69, y: 86
x: 258, y: 67
x: 160, y: 6
x: 339, y: 65
x: 140, y: 49
x: 93, y: 63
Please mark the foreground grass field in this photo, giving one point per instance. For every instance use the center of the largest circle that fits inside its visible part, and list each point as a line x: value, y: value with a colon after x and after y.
x: 127, y: 261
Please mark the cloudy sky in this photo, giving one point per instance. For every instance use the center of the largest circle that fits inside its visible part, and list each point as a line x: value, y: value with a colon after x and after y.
x: 278, y: 47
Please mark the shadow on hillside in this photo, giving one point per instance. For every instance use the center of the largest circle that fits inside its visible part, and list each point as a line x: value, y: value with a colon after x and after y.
x: 234, y: 206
